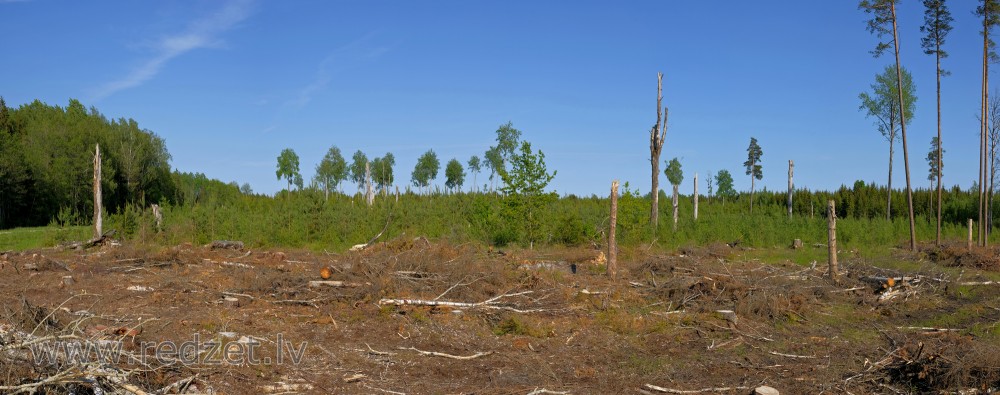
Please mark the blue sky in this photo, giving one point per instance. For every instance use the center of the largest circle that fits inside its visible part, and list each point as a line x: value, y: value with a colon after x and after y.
x: 229, y: 84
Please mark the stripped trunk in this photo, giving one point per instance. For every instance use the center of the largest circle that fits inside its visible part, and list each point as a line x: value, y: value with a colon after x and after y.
x: 612, y: 244
x: 832, y: 238
x: 695, y: 196
x: 369, y: 192
x: 98, y: 225
x: 674, y: 201
x: 656, y: 135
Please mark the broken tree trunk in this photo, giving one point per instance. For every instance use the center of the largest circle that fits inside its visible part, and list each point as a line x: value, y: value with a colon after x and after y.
x: 98, y: 225
x: 832, y: 221
x: 674, y: 201
x: 791, y: 186
x: 158, y: 217
x: 656, y: 135
x: 369, y: 193
x: 695, y: 196
x: 612, y: 245
x: 970, y: 234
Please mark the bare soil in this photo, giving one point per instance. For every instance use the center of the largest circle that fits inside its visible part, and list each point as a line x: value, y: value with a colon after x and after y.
x: 698, y: 318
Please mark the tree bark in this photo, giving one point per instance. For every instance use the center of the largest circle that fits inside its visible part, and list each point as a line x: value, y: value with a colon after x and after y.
x: 791, y: 186
x: 695, y: 196
x: 656, y: 135
x: 751, y: 189
x: 832, y: 238
x: 902, y: 128
x: 98, y: 220
x: 612, y: 244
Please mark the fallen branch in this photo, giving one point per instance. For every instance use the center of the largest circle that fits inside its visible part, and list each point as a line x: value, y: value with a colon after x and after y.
x: 489, y: 303
x: 927, y: 329
x: 539, y: 391
x: 716, y: 389
x: 441, y: 354
x: 980, y: 283
x: 791, y: 355
x: 336, y: 284
x: 359, y: 247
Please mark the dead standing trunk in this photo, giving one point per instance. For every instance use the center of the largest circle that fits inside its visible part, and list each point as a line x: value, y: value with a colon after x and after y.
x: 369, y: 192
x: 791, y: 167
x: 695, y: 196
x: 612, y: 244
x: 98, y: 222
x: 832, y: 239
x: 674, y: 201
x: 656, y: 135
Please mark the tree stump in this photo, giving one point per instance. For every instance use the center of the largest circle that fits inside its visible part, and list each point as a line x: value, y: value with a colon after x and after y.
x: 796, y: 244
x: 765, y: 390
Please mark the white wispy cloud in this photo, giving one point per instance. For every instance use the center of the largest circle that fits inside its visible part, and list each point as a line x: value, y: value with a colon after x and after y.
x: 202, y: 33
x: 355, y: 52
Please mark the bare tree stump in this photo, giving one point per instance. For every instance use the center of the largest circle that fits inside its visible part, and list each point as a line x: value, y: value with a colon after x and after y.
x: 765, y: 390
x: 832, y: 221
x: 796, y: 244
x: 612, y: 244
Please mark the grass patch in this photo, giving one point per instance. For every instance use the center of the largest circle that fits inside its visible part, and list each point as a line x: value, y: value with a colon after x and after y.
x: 40, y: 237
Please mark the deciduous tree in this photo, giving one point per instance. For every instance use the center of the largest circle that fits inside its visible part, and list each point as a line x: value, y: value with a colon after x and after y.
x: 524, y: 188
x: 331, y: 170
x: 288, y: 167
x: 883, y: 106
x: 426, y: 170
x: 475, y: 166
x: 724, y: 185
x: 358, y: 162
x: 382, y: 172
x: 454, y: 174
